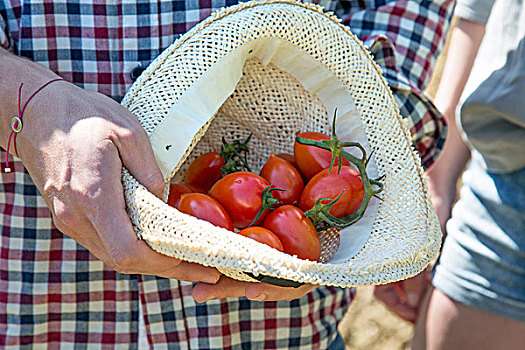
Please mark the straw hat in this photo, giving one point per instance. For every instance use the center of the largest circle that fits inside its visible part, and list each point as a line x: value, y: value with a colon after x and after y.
x: 272, y: 68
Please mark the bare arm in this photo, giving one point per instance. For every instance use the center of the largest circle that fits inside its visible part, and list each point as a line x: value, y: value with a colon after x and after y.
x: 13, y: 71
x: 74, y: 144
x: 443, y: 175
x: 405, y: 297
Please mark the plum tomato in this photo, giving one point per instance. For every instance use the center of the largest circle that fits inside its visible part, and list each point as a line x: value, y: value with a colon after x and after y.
x: 205, y: 208
x: 283, y: 175
x: 296, y: 232
x: 290, y: 159
x: 262, y: 235
x: 311, y: 159
x: 330, y: 185
x: 205, y: 170
x: 176, y: 191
x: 240, y: 193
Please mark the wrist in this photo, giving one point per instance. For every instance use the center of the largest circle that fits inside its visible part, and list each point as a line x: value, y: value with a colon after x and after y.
x: 17, y: 122
x: 14, y: 71
x: 48, y: 103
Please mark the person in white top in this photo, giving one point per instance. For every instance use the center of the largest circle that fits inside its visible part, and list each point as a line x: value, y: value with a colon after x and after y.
x: 477, y: 297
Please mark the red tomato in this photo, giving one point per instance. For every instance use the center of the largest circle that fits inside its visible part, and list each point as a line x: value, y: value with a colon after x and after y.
x: 282, y: 174
x: 240, y: 193
x: 262, y: 235
x: 310, y: 159
x: 196, y: 189
x: 206, y: 208
x: 205, y: 170
x: 290, y: 159
x: 176, y: 191
x: 330, y: 185
x: 296, y: 232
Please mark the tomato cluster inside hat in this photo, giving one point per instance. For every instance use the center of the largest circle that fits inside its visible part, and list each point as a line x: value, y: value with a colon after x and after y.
x: 270, y: 69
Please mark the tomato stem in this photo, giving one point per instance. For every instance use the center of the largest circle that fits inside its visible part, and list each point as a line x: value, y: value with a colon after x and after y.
x: 320, y: 212
x: 268, y: 202
x: 371, y: 186
x: 235, y: 155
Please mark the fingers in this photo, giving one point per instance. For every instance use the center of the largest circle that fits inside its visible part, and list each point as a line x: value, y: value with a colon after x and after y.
x: 137, y: 156
x: 390, y: 296
x: 404, y: 297
x: 227, y: 287
x: 89, y: 240
x: 135, y: 150
x: 129, y: 254
x: 192, y: 272
x: 105, y: 209
x: 267, y: 292
x: 155, y: 263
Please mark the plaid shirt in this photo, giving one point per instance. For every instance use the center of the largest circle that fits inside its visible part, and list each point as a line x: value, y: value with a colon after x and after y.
x: 54, y: 293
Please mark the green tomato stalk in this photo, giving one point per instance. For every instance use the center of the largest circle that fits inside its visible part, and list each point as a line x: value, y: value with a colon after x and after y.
x: 268, y: 202
x: 372, y: 187
x: 320, y: 213
x: 235, y: 155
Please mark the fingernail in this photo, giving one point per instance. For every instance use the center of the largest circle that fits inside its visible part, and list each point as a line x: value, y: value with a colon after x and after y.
x: 260, y: 297
x: 211, y: 279
x: 201, y: 296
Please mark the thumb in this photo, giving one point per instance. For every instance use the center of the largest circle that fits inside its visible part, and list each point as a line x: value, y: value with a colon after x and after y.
x: 137, y: 156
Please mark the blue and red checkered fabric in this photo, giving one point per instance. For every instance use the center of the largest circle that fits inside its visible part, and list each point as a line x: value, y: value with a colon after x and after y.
x: 54, y: 293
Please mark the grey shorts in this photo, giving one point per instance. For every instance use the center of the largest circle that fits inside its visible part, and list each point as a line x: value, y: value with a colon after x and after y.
x: 483, y: 260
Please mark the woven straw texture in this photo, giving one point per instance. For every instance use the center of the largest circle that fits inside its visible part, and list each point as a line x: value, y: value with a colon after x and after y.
x: 272, y: 102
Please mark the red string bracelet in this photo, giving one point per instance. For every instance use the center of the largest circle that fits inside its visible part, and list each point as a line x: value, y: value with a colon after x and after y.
x: 16, y: 122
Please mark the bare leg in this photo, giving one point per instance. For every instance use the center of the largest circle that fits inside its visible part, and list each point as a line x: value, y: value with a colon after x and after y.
x: 447, y: 324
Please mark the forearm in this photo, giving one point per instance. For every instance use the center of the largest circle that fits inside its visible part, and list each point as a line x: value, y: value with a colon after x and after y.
x: 465, y: 40
x: 464, y: 44
x: 13, y: 71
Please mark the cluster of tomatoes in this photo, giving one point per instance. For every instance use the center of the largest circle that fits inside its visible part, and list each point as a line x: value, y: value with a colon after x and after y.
x: 281, y: 205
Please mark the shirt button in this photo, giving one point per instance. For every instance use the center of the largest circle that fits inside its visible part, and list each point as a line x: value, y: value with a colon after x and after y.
x: 136, y: 72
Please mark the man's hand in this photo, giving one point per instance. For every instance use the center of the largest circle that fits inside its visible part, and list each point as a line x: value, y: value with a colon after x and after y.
x: 74, y: 144
x: 227, y: 287
x: 404, y: 297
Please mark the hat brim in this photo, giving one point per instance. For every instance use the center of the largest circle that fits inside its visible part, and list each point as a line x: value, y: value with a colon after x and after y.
x: 281, y: 41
